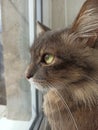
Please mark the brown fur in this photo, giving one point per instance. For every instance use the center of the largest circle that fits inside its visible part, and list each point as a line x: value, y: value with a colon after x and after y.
x: 71, y: 102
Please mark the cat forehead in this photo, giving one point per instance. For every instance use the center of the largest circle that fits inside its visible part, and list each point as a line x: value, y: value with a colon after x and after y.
x: 53, y: 37
x: 59, y: 40
x: 48, y: 39
x: 50, y: 36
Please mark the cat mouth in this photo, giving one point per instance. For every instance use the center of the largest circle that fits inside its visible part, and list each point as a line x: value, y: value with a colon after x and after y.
x: 39, y: 84
x: 38, y: 81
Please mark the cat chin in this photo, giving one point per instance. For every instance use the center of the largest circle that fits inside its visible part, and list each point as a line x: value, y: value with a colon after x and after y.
x: 37, y: 85
x: 41, y: 88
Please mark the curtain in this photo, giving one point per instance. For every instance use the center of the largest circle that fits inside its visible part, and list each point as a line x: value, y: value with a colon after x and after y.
x: 15, y: 38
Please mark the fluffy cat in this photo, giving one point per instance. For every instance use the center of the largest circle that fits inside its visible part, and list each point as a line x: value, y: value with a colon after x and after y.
x: 66, y: 63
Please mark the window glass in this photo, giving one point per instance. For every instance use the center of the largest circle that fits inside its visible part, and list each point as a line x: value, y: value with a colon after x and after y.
x: 17, y: 35
x: 2, y: 79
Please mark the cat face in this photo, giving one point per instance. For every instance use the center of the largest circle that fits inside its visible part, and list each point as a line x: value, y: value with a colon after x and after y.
x: 57, y: 59
x: 69, y: 57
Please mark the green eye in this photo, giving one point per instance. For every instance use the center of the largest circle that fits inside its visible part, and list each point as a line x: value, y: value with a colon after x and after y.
x: 48, y: 58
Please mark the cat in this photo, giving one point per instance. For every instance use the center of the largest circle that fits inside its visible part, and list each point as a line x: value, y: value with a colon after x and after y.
x: 65, y: 62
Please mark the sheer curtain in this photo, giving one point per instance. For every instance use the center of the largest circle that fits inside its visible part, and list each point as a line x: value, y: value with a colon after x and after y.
x: 15, y: 38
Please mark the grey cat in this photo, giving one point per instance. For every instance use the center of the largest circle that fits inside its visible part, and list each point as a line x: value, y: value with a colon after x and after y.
x: 66, y: 63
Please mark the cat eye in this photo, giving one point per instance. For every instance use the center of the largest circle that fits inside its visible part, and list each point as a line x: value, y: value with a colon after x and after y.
x: 48, y: 59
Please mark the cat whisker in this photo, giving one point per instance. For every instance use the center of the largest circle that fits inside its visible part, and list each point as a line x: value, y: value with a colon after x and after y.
x: 60, y: 116
x: 54, y: 128
x: 65, y: 104
x: 68, y: 110
x: 90, y: 78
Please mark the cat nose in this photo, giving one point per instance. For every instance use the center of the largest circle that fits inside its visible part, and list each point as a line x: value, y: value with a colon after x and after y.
x: 28, y: 73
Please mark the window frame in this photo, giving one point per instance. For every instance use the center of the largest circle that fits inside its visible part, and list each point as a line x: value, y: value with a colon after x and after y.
x: 38, y: 16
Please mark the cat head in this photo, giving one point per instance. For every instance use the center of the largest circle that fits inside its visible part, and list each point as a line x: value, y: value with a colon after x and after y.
x: 69, y: 57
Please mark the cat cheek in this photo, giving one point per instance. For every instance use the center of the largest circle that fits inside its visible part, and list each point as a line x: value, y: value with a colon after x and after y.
x: 39, y: 76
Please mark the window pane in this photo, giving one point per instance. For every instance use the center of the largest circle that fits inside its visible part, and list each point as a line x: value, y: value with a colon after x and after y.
x: 16, y: 41
x: 15, y: 34
x: 2, y: 79
x: 18, y: 34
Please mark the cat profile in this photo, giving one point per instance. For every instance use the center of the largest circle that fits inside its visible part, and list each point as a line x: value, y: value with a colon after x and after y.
x: 66, y: 63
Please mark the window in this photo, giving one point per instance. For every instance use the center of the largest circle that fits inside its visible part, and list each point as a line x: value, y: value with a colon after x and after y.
x: 38, y: 96
x: 23, y: 101
x: 2, y: 80
x: 19, y: 18
x: 16, y: 42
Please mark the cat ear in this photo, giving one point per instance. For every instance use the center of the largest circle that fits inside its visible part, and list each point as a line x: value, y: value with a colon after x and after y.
x: 41, y: 29
x: 86, y: 23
